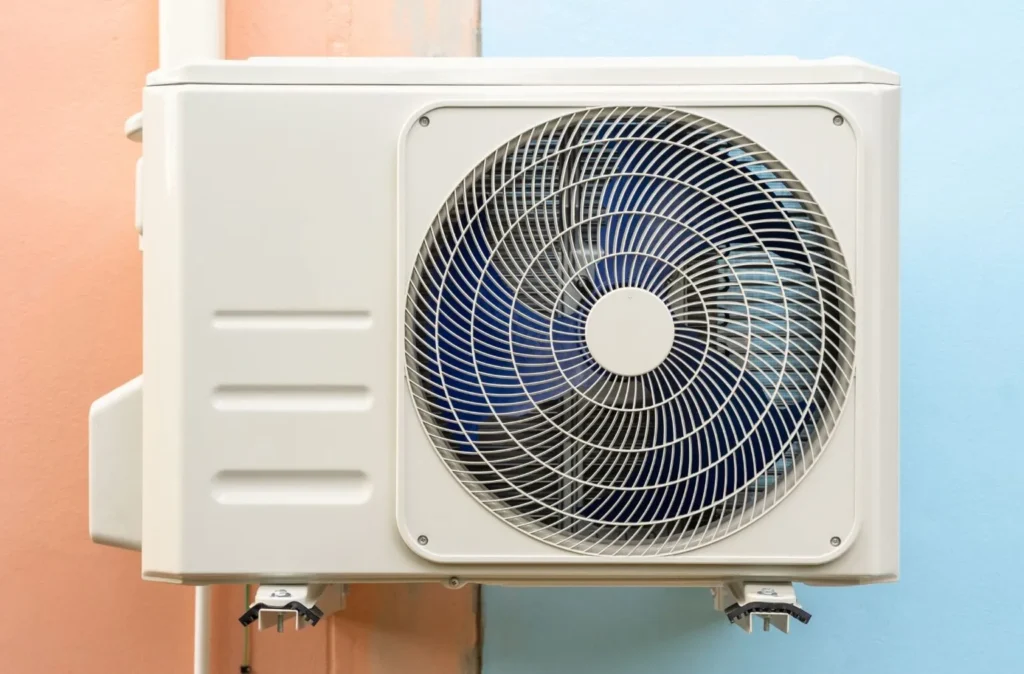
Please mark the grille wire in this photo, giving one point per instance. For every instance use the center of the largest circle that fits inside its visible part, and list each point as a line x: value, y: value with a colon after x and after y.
x: 578, y: 456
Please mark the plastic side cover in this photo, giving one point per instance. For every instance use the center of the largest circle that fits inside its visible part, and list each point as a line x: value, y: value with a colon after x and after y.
x: 115, y: 467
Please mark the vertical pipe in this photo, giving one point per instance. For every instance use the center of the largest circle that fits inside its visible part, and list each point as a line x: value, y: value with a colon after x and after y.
x: 201, y: 649
x: 190, y: 30
x: 246, y: 643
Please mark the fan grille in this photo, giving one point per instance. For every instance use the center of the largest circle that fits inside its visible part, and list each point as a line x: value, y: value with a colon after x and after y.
x: 662, y: 462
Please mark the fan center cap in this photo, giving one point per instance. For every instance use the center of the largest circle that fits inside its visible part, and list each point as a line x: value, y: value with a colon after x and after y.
x: 630, y: 331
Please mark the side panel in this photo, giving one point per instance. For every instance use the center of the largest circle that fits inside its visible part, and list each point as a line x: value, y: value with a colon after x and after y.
x: 163, y: 334
x: 270, y: 326
x: 878, y: 333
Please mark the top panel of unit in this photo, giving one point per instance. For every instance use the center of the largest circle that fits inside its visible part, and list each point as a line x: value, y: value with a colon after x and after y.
x: 528, y: 71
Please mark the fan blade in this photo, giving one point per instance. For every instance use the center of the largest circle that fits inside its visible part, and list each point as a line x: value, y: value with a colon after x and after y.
x: 667, y: 205
x: 708, y: 442
x: 491, y: 354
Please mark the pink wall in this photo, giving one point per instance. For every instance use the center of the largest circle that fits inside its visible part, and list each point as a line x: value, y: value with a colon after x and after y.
x: 70, y: 73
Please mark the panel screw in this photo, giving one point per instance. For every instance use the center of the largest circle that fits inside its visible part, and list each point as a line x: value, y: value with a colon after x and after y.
x: 835, y: 541
x: 454, y: 583
x: 837, y: 120
x: 422, y: 540
x: 424, y: 121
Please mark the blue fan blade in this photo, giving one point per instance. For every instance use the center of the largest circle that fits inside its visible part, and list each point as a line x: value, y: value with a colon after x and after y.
x: 497, y: 356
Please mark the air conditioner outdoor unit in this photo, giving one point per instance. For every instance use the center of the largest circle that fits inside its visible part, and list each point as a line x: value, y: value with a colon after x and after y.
x: 513, y: 321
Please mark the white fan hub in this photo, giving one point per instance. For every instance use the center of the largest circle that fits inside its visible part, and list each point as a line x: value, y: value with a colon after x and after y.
x: 630, y: 331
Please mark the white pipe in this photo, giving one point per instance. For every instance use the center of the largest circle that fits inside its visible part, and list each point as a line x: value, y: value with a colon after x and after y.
x: 190, y: 31
x: 201, y: 649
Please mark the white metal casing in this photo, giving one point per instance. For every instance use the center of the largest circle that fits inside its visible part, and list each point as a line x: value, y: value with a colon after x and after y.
x: 283, y: 203
x: 115, y: 467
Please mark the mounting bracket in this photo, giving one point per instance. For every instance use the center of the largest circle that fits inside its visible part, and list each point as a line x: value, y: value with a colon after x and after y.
x: 774, y: 603
x: 274, y: 604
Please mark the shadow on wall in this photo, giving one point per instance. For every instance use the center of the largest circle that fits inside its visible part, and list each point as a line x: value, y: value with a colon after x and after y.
x: 391, y: 628
x: 626, y: 630
x: 598, y: 631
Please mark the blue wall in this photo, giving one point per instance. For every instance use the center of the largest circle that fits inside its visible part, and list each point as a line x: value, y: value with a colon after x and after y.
x: 962, y: 251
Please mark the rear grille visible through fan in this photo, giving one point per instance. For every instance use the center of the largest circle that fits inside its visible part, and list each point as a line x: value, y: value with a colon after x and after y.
x: 629, y: 201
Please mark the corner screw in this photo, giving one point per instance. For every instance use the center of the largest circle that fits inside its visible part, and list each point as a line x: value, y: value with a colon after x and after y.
x: 835, y: 541
x: 424, y: 121
x: 454, y: 583
x: 422, y: 540
x: 837, y: 120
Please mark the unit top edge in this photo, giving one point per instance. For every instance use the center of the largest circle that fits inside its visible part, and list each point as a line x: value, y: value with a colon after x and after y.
x: 440, y: 71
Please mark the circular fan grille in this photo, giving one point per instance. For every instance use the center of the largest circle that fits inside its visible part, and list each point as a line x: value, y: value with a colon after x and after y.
x: 640, y: 454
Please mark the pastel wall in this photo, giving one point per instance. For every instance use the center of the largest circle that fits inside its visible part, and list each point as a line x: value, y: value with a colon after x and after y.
x: 962, y: 369
x: 70, y: 73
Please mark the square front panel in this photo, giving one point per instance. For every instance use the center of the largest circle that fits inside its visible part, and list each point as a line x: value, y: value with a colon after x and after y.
x: 628, y: 335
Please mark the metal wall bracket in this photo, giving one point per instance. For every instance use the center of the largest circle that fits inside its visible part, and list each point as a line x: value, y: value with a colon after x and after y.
x: 274, y: 605
x: 774, y: 603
